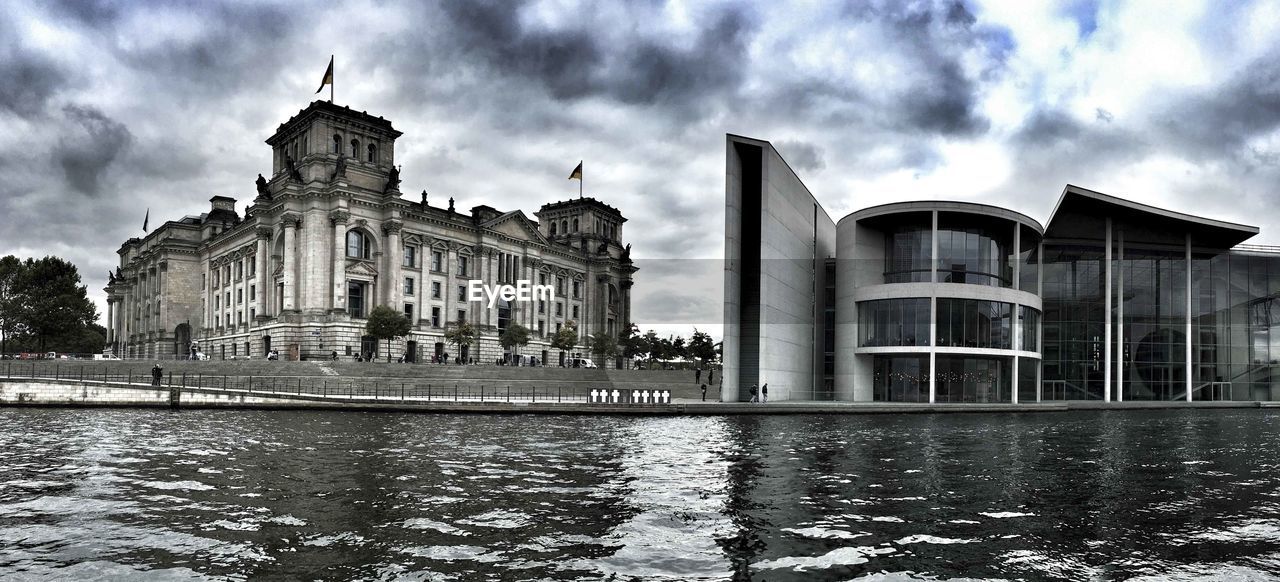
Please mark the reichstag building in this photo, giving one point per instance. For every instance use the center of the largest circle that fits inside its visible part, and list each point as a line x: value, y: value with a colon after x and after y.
x: 328, y: 236
x: 945, y: 302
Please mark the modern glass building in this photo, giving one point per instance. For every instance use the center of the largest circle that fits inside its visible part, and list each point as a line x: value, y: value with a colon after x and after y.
x: 945, y: 302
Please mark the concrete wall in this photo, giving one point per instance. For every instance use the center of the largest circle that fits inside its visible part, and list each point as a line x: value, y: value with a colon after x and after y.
x: 795, y: 236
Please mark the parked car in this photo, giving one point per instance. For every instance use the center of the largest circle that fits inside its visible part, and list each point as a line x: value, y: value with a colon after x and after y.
x: 105, y: 357
x: 581, y: 363
x: 202, y: 356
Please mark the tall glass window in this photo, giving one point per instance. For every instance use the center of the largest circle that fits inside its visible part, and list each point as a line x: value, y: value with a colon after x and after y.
x: 974, y: 323
x: 1028, y: 274
x: 900, y: 379
x: 894, y: 322
x: 1074, y: 314
x: 908, y: 254
x: 355, y: 298
x: 1029, y: 328
x: 1027, y: 372
x: 974, y: 250
x: 973, y: 379
x: 357, y: 244
x: 1154, y: 323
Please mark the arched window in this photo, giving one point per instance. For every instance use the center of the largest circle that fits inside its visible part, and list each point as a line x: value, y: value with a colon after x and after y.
x: 355, y: 149
x: 564, y: 226
x: 553, y: 228
x: 357, y: 244
x: 337, y: 144
x: 373, y: 153
x: 575, y: 225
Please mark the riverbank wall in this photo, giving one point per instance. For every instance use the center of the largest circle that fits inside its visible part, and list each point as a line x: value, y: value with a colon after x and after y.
x: 76, y: 393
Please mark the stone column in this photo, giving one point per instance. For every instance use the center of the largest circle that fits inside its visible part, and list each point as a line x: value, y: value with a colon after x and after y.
x: 339, y: 218
x: 451, y: 259
x: 111, y: 324
x: 314, y: 263
x: 262, y: 267
x: 395, y: 271
x: 291, y: 223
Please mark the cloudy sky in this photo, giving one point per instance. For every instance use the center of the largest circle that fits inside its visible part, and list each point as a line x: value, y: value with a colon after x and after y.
x: 110, y: 108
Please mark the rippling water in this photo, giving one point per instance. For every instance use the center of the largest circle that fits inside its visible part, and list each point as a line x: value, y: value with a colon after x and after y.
x: 142, y: 494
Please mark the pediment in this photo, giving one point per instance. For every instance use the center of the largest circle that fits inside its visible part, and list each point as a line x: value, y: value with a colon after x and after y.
x: 361, y: 268
x: 515, y: 225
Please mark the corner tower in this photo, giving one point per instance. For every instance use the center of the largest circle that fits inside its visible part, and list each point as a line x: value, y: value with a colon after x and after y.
x: 327, y: 141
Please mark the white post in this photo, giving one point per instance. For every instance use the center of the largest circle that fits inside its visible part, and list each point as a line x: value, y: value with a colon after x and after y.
x: 1188, y: 342
x: 1120, y: 322
x: 1106, y: 341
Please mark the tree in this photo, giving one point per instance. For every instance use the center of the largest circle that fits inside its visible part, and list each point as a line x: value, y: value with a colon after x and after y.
x: 386, y: 323
x: 461, y: 334
x: 701, y: 347
x: 652, y: 346
x: 565, y: 339
x: 48, y: 300
x: 606, y: 346
x: 630, y: 340
x: 516, y: 336
x: 678, y: 348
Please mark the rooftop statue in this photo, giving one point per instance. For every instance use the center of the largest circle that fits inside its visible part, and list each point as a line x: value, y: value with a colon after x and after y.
x: 263, y: 191
x: 292, y: 169
x: 393, y: 179
x: 340, y: 170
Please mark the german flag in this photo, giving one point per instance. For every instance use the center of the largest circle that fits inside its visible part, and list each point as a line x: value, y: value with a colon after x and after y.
x: 577, y: 172
x: 328, y: 76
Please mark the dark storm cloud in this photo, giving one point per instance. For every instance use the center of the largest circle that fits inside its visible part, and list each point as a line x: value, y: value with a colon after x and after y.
x: 30, y: 80
x: 941, y: 96
x: 92, y: 143
x: 562, y: 61
x: 1221, y: 120
x: 657, y: 73
x: 574, y: 63
x: 946, y: 98
x: 238, y: 46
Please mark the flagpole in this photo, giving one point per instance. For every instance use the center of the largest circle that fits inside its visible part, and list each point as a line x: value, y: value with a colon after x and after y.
x: 335, y: 74
x: 581, y: 180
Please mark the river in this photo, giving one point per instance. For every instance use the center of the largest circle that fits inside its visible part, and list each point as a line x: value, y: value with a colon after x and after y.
x: 236, y: 495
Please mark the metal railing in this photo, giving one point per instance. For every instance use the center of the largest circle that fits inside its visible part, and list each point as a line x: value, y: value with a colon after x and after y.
x: 324, y: 388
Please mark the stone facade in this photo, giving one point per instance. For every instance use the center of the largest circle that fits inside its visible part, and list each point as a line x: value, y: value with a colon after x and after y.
x: 328, y: 237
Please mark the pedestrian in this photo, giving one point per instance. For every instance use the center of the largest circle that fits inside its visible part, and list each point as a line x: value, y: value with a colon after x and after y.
x: 754, y: 394
x: 711, y: 376
x: 156, y: 373
x: 764, y: 392
x: 334, y: 356
x: 704, y: 392
x: 697, y: 375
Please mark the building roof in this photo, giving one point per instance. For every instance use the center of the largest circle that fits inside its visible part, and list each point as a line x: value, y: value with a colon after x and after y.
x: 1080, y: 212
x: 319, y: 108
x: 588, y: 201
x: 944, y: 206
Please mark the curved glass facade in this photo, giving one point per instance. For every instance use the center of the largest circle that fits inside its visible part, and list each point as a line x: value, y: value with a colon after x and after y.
x: 972, y: 251
x: 975, y: 323
x: 908, y: 254
x: 974, y: 379
x: 894, y: 322
x: 900, y: 379
x: 1029, y: 334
